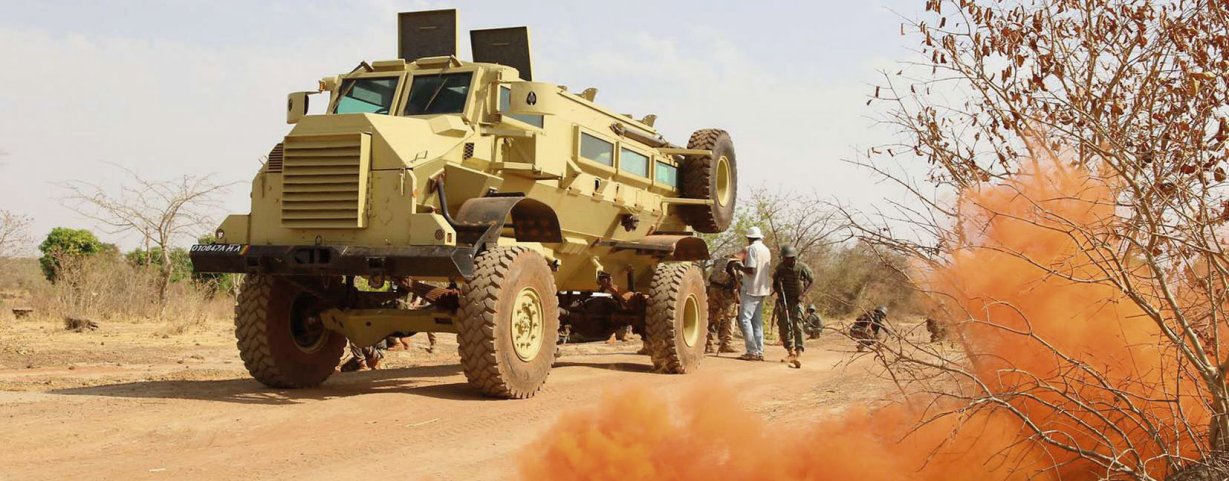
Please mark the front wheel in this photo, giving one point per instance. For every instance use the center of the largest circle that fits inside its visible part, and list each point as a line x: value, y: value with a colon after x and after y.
x: 677, y: 318
x: 509, y: 323
x: 280, y: 335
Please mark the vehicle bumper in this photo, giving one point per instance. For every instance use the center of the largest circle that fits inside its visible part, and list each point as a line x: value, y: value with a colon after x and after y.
x: 421, y: 261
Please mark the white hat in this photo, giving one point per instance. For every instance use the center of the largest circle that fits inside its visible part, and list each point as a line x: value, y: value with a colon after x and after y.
x: 754, y: 233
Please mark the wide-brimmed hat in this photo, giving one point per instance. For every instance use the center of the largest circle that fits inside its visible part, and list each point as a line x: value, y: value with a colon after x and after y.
x: 754, y: 233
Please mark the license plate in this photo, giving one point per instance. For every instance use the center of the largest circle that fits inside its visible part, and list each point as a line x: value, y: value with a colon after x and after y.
x: 224, y: 249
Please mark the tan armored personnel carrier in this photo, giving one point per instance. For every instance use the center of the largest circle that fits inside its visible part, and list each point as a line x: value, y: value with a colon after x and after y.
x: 511, y: 205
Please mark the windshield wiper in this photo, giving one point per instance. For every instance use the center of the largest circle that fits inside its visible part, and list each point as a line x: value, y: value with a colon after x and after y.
x: 426, y: 109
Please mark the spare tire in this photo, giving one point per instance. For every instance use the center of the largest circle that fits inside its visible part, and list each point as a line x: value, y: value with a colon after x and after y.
x: 711, y: 177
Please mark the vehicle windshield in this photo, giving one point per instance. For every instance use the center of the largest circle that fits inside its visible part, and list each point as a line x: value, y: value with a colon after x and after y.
x: 367, y: 95
x: 438, y: 94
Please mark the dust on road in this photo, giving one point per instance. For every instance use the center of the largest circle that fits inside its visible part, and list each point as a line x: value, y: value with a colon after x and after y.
x: 125, y: 403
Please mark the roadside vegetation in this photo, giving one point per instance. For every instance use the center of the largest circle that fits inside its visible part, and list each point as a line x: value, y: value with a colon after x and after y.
x: 78, y: 276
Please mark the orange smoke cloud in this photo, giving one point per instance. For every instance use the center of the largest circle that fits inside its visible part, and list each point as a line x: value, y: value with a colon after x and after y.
x: 1040, y: 323
x: 635, y: 435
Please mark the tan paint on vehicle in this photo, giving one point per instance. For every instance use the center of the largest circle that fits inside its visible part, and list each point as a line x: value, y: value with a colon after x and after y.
x: 508, y: 155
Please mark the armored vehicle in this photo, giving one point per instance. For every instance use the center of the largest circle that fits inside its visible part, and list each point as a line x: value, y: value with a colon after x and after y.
x: 510, y: 205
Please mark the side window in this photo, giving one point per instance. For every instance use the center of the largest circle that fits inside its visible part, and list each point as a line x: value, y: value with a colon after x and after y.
x: 596, y: 149
x: 667, y: 174
x: 505, y: 102
x: 633, y: 162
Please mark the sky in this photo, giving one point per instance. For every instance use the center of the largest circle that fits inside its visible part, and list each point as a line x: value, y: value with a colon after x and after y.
x: 199, y: 88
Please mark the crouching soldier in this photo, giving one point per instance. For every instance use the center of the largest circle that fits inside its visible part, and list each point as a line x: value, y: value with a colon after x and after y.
x: 364, y: 358
x: 790, y: 282
x: 813, y: 324
x: 866, y: 328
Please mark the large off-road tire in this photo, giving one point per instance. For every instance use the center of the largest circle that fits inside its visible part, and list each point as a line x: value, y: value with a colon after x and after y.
x: 509, y: 323
x: 710, y: 177
x: 677, y: 318
x: 280, y: 336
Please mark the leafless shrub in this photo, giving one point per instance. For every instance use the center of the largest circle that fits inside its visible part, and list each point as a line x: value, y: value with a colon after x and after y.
x: 107, y: 288
x: 19, y: 275
x: 14, y: 233
x: 160, y: 212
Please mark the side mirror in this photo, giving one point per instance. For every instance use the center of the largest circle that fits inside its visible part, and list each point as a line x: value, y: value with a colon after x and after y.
x: 296, y: 106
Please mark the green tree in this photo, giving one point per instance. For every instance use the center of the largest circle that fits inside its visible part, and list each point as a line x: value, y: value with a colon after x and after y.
x: 181, y: 264
x: 65, y: 242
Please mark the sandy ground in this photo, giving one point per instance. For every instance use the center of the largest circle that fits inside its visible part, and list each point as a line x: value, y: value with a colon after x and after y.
x: 127, y: 403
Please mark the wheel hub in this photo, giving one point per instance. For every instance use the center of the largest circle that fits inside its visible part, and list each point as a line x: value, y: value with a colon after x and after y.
x: 527, y: 324
x: 691, y: 321
x: 306, y: 328
x: 725, y: 189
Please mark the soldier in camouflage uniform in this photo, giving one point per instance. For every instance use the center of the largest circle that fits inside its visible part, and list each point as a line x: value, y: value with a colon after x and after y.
x: 790, y: 282
x: 814, y: 325
x: 722, y: 308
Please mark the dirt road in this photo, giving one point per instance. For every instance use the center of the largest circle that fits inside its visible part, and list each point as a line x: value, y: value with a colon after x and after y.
x: 125, y: 403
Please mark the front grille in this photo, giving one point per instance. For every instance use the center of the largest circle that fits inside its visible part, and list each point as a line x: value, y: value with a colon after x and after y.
x: 324, y: 181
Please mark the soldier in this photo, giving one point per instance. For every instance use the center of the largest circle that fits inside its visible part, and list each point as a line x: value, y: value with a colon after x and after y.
x: 866, y: 328
x: 722, y: 307
x: 813, y: 324
x: 364, y: 358
x: 790, y: 282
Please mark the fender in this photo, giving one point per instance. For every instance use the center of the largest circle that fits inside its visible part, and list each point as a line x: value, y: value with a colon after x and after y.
x: 479, y: 221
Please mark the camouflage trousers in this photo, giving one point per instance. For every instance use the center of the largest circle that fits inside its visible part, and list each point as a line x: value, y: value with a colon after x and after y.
x: 789, y: 321
x: 722, y: 309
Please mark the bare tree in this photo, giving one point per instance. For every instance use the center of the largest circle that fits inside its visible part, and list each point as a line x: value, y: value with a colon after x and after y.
x: 1132, y: 95
x: 160, y: 212
x: 806, y: 222
x: 14, y: 233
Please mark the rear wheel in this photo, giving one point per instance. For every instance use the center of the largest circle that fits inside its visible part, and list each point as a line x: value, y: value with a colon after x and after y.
x: 677, y: 318
x: 711, y: 177
x: 280, y: 335
x: 509, y: 323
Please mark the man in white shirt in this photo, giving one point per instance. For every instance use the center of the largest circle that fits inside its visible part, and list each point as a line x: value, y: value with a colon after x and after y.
x: 756, y: 286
